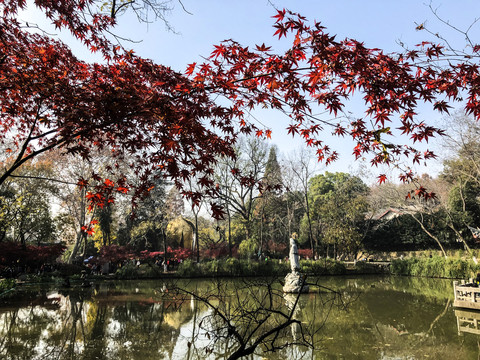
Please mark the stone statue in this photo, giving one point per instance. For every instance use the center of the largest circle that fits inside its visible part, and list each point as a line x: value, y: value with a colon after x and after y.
x: 294, y: 261
x: 294, y: 281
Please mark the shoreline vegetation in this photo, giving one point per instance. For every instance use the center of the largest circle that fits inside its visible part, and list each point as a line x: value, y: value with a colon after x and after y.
x: 424, y: 264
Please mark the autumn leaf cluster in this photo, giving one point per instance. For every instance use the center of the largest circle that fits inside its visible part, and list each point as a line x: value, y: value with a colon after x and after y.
x: 168, y: 124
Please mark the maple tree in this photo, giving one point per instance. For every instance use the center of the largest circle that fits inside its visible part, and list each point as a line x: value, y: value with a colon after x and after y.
x: 318, y: 71
x: 172, y: 122
x: 118, y: 254
x: 14, y: 254
x: 130, y: 105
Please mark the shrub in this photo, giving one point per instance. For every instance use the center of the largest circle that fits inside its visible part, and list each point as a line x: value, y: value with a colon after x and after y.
x: 271, y: 268
x: 249, y: 267
x: 312, y: 267
x: 7, y: 284
x: 456, y: 268
x: 436, y: 266
x: 233, y: 267
x: 363, y: 267
x: 247, y: 248
x: 211, y: 267
x: 215, y: 251
x: 12, y: 254
x: 280, y: 268
x: 398, y: 267
x: 128, y: 271
x: 323, y: 267
x: 69, y: 269
x: 148, y: 271
x: 276, y: 249
x: 336, y: 268
x: 189, y: 268
x: 305, y: 253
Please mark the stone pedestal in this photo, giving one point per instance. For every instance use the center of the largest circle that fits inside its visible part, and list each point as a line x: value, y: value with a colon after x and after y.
x: 294, y: 283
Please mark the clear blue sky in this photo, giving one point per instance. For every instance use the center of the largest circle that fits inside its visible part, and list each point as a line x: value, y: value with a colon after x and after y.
x: 379, y: 23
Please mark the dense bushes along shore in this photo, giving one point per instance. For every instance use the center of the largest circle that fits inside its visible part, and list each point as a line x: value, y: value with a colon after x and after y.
x: 436, y: 267
x: 234, y: 268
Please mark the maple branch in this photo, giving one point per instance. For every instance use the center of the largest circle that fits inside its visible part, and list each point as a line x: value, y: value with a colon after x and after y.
x: 115, y: 11
x: 37, y: 27
x: 20, y: 159
x: 28, y: 139
x: 42, y: 135
x: 437, y: 35
x: 8, y: 172
x: 42, y: 178
x: 118, y: 38
x: 232, y: 329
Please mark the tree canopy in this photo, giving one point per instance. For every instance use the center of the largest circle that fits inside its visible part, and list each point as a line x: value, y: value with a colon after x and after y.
x: 172, y: 124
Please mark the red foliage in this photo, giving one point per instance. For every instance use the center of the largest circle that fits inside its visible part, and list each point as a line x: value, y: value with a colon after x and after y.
x: 277, y: 248
x: 135, y: 107
x: 117, y: 254
x: 129, y: 104
x: 179, y: 254
x: 216, y: 251
x: 13, y: 254
x: 305, y: 253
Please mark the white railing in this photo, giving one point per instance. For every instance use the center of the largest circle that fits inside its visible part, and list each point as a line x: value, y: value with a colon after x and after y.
x: 466, y: 295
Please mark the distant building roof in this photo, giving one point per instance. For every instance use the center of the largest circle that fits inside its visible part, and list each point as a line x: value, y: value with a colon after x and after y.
x: 391, y: 213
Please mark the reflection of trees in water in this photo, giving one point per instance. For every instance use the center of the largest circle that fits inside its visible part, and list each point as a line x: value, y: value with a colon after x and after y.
x: 25, y: 329
x: 49, y: 328
x: 77, y: 326
x: 144, y: 329
x: 396, y: 318
x: 104, y: 325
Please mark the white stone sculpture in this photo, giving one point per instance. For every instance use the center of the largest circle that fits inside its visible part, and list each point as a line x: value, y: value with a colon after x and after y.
x: 294, y: 281
x: 294, y: 261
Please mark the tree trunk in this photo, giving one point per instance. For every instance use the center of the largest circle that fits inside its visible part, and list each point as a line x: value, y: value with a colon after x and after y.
x: 76, y: 247
x: 81, y: 236
x: 261, y: 232
x: 229, y: 233
x: 196, y: 237
x: 164, y: 238
x: 310, y: 231
x: 430, y: 234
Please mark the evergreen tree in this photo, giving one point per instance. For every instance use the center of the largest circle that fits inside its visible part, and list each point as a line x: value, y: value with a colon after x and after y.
x: 270, y: 207
x: 272, y: 179
x: 338, y: 210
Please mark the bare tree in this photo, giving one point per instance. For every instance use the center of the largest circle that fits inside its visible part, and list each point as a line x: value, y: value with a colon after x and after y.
x: 303, y: 169
x: 239, y: 179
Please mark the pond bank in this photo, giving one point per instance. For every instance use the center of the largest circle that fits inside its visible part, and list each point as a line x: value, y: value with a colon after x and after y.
x: 433, y: 267
x: 231, y: 268
x: 436, y: 267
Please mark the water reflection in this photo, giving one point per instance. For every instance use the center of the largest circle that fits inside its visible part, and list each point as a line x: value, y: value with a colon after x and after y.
x: 386, y: 318
x: 468, y: 321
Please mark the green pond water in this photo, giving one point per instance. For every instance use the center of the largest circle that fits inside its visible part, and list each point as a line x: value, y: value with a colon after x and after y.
x: 364, y: 318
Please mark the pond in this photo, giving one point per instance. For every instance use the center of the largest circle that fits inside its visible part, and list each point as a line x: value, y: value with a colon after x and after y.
x: 363, y: 318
